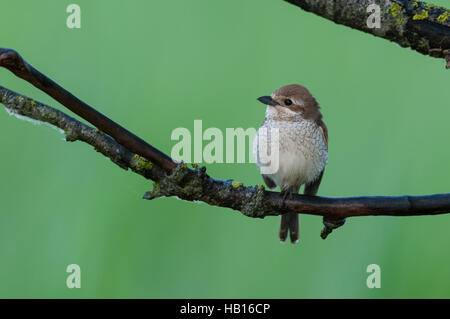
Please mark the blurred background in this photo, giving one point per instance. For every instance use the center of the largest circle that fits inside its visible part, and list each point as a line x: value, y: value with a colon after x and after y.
x: 154, y: 66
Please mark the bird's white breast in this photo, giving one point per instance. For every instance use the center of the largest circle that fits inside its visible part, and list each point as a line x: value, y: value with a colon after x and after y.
x: 302, y: 152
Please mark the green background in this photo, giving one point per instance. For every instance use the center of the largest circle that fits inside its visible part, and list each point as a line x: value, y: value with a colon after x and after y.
x: 154, y: 66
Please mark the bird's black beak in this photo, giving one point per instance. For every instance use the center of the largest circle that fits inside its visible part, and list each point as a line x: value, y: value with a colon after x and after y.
x: 267, y: 100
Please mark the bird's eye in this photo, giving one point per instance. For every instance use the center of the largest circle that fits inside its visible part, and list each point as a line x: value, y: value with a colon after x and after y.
x: 288, y: 102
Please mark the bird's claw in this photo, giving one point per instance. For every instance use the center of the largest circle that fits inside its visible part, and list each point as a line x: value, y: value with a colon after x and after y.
x: 286, y: 195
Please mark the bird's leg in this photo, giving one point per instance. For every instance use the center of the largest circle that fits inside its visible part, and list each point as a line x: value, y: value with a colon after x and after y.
x: 287, y: 194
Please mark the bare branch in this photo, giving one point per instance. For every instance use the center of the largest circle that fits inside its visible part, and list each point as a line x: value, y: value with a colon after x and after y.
x: 11, y: 60
x: 22, y: 106
x: 195, y: 184
x: 422, y: 27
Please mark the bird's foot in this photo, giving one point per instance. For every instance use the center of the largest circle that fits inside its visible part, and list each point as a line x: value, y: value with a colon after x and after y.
x: 286, y: 195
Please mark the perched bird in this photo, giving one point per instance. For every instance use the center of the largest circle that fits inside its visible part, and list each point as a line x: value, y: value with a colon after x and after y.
x: 302, y: 147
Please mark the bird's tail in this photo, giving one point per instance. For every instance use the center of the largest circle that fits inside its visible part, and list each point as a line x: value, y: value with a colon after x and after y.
x: 289, y: 223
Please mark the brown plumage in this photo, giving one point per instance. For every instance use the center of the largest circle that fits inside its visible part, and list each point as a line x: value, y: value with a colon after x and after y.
x: 303, y: 148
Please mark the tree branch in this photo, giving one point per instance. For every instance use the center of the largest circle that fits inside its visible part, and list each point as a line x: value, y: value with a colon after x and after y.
x: 11, y: 60
x: 422, y: 27
x: 178, y: 180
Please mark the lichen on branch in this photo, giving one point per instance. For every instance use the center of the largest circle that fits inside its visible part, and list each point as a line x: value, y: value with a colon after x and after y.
x: 74, y: 130
x: 418, y: 25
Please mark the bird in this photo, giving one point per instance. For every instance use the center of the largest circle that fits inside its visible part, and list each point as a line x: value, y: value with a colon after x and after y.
x: 302, y: 147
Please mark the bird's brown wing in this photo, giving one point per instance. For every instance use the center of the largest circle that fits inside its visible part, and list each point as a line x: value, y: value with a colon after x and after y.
x: 269, y: 182
x: 323, y: 128
x: 313, y: 187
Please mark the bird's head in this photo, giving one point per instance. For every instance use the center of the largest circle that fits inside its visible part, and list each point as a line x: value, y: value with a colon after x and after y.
x: 291, y: 103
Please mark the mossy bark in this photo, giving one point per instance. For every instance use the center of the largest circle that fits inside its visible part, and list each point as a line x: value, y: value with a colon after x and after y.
x: 423, y: 27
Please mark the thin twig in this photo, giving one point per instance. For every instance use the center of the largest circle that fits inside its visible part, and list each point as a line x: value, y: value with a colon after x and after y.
x: 11, y: 60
